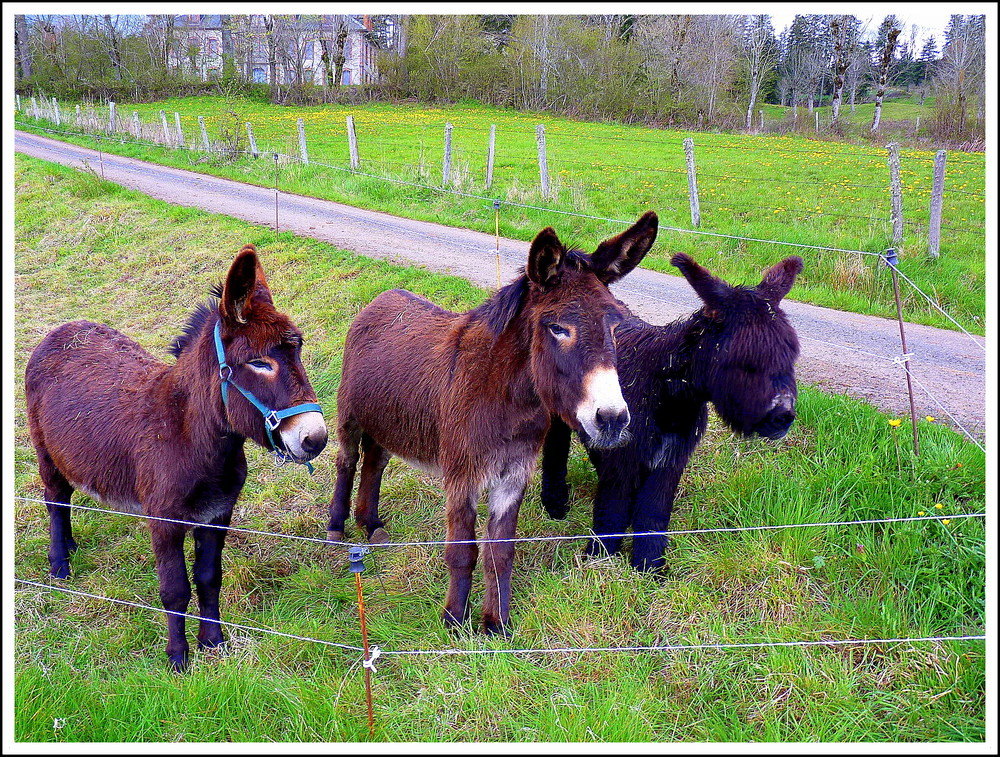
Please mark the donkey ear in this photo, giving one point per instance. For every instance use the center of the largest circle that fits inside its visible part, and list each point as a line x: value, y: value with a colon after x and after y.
x: 545, y: 258
x: 245, y: 285
x: 778, y: 279
x: 618, y: 255
x: 711, y: 290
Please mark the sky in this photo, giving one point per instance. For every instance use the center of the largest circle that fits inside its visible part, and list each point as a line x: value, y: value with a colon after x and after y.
x: 931, y: 19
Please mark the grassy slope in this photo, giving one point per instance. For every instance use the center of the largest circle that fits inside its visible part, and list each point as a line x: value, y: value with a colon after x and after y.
x: 87, y: 670
x: 790, y: 188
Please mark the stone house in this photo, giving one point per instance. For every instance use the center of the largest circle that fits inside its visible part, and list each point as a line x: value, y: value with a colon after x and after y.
x: 295, y: 43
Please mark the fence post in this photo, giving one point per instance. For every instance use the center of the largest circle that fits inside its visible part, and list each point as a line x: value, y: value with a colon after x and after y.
x: 352, y: 143
x: 692, y: 182
x: 489, y: 155
x: 166, y: 128
x: 302, y: 142
x: 77, y: 121
x: 761, y: 114
x: 543, y: 162
x: 55, y: 112
x: 136, y: 126
x: 253, y: 141
x: 446, y: 165
x: 204, y: 134
x: 897, y: 195
x: 180, y: 131
x: 34, y: 108
x: 112, y: 119
x: 937, y: 198
x: 17, y: 102
x: 816, y: 113
x: 916, y: 129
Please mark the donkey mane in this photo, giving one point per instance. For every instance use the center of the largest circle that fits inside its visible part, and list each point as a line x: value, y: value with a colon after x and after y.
x: 196, y: 321
x: 504, y: 304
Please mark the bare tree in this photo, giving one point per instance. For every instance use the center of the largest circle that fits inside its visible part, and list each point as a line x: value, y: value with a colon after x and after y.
x: 759, y: 56
x: 841, y: 61
x: 22, y: 48
x: 885, y: 64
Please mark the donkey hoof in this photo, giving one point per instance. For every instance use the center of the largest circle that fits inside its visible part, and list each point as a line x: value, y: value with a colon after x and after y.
x: 492, y: 627
x: 379, y: 536
x: 451, y: 621
x: 60, y: 569
x: 178, y: 661
x: 219, y: 642
x: 335, y: 536
x: 71, y: 545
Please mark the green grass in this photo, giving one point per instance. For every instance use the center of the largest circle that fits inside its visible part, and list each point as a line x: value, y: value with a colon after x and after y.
x: 789, y: 188
x: 87, y: 670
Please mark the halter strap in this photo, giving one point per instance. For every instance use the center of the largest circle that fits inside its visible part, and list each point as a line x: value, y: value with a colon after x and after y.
x: 272, y: 418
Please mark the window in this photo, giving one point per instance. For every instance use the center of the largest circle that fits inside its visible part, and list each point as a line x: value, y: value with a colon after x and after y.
x: 346, y: 76
x: 259, y: 75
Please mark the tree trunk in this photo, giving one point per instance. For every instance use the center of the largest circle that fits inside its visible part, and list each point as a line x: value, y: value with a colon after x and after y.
x: 339, y: 58
x: 839, y: 69
x: 228, y: 59
x: 114, y: 51
x: 24, y: 65
x: 883, y: 76
x: 272, y: 51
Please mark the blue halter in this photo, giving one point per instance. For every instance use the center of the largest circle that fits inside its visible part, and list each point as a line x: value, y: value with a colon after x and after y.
x: 272, y: 418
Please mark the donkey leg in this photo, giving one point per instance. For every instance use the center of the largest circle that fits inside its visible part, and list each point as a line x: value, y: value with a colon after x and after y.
x: 654, y: 502
x: 374, y: 460
x: 347, y: 463
x: 611, y: 512
x: 555, y: 492
x: 208, y: 544
x: 57, y: 489
x: 175, y: 589
x: 462, y: 497
x: 498, y: 557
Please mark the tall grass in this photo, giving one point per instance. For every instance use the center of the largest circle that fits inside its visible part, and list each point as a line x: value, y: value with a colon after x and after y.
x: 87, y: 670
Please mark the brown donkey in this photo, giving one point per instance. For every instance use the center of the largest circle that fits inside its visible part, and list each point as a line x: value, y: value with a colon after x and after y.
x: 109, y: 419
x: 469, y: 396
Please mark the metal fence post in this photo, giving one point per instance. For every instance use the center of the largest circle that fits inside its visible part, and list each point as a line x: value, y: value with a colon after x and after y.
x: 692, y: 182
x: 937, y: 200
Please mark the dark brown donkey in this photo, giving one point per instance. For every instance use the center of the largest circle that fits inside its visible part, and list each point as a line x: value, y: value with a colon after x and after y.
x: 469, y: 395
x: 140, y: 435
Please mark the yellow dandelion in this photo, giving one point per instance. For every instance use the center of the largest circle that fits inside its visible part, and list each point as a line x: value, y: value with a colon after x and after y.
x: 946, y: 521
x: 938, y: 506
x: 895, y: 422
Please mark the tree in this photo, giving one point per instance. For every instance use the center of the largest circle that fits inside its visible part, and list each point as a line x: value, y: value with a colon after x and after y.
x: 960, y: 76
x: 22, y: 48
x: 759, y: 55
x: 892, y: 31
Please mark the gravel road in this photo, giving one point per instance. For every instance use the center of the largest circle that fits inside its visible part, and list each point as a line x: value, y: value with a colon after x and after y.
x: 841, y: 352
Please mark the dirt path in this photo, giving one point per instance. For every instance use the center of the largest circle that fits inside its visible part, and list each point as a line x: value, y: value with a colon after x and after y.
x: 841, y: 352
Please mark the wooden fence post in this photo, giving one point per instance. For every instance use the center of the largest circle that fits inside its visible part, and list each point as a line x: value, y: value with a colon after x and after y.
x: 180, y: 131
x: 761, y: 114
x: 166, y: 128
x: 897, y: 195
x: 302, y: 141
x: 55, y: 112
x: 253, y: 141
x: 34, y: 108
x: 204, y: 134
x: 77, y: 121
x: 937, y: 199
x: 816, y: 113
x: 136, y: 126
x: 692, y: 182
x: 489, y: 155
x: 916, y: 129
x: 352, y: 143
x: 446, y: 165
x: 543, y: 162
x: 17, y: 102
x: 112, y: 118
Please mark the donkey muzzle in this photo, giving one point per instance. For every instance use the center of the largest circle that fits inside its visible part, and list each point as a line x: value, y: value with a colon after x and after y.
x: 304, y: 435
x: 603, y: 414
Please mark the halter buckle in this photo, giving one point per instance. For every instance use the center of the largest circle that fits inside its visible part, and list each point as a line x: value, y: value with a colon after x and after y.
x: 272, y: 421
x: 226, y: 372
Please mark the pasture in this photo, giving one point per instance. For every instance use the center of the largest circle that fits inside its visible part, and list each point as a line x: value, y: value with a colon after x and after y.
x: 789, y: 188
x: 88, y: 670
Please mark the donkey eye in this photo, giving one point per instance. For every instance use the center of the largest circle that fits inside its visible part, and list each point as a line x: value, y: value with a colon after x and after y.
x: 260, y: 365
x: 558, y: 331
